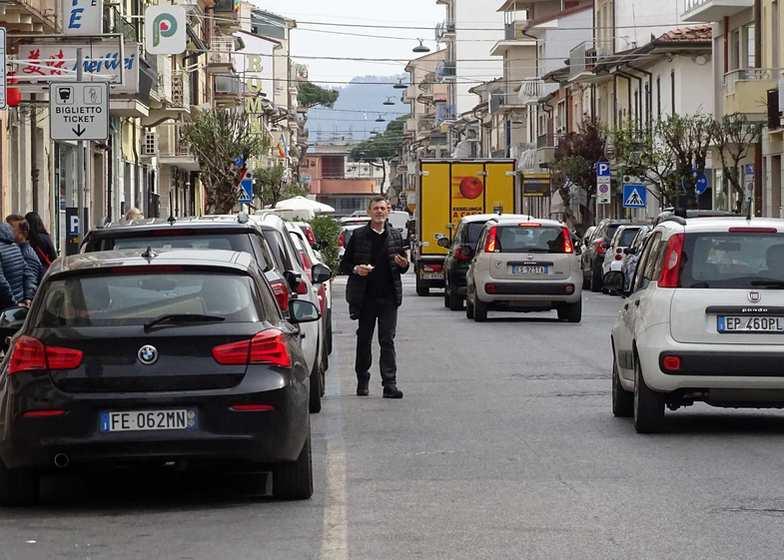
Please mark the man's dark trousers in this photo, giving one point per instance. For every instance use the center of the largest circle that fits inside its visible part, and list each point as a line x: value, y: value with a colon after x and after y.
x: 385, y: 313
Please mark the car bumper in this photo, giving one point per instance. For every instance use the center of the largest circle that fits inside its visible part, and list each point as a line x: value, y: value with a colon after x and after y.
x: 535, y: 293
x: 218, y: 433
x: 720, y: 367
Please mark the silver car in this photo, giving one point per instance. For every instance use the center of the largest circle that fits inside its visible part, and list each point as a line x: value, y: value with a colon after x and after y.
x: 525, y: 266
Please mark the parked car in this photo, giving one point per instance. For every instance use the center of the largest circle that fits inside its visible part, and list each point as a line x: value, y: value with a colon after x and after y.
x: 151, y: 357
x: 616, y: 251
x: 524, y: 266
x: 266, y: 241
x: 703, y: 320
x: 632, y: 257
x: 345, y: 235
x: 592, y: 255
x: 462, y: 248
x: 694, y: 213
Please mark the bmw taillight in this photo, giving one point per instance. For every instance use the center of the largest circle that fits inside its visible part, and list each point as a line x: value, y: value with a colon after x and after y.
x: 30, y: 354
x: 671, y: 264
x: 491, y: 241
x: 281, y: 292
x: 267, y: 347
x: 567, y: 237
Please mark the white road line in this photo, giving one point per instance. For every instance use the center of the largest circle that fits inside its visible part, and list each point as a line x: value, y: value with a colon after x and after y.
x: 334, y: 542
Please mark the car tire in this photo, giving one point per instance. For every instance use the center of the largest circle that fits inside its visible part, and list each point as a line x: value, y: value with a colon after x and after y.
x: 421, y: 289
x: 294, y: 481
x: 572, y: 312
x: 596, y: 280
x: 453, y: 301
x: 648, y: 405
x: 622, y: 400
x: 480, y: 310
x: 316, y: 388
x: 469, y: 309
x: 18, y: 487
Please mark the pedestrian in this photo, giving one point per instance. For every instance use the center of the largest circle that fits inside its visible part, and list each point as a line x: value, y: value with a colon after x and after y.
x: 40, y: 240
x: 21, y: 231
x: 17, y: 285
x: 374, y: 260
x: 133, y: 214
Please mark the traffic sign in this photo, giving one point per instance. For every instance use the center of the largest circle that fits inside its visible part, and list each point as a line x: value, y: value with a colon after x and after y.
x: 635, y: 195
x: 246, y: 195
x: 603, y: 169
x: 2, y: 68
x: 78, y: 111
x: 603, y: 182
x: 702, y: 184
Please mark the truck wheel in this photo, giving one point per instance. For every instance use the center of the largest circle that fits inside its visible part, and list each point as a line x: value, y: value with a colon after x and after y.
x: 421, y: 289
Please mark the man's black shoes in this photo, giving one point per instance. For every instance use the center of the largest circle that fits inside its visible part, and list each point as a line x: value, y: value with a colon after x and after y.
x: 362, y: 388
x: 392, y: 392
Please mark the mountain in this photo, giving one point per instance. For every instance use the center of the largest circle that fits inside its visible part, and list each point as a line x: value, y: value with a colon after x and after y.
x: 355, y: 112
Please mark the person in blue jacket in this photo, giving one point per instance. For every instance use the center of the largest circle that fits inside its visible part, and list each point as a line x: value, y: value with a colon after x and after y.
x: 17, y: 278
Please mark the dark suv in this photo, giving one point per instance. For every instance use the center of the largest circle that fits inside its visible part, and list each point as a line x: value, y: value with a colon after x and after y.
x: 593, y: 253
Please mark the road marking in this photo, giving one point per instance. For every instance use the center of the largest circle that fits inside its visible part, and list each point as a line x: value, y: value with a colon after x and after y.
x: 334, y: 543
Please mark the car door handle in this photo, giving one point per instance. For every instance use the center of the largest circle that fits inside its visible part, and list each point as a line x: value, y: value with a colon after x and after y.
x: 637, y: 303
x: 626, y: 307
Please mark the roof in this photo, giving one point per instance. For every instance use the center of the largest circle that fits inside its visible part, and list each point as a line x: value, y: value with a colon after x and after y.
x: 92, y: 262
x: 721, y: 224
x: 212, y: 221
x: 511, y: 219
x: 697, y: 34
x: 485, y: 217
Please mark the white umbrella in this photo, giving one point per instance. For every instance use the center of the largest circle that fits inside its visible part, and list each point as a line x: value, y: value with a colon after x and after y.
x: 302, y: 203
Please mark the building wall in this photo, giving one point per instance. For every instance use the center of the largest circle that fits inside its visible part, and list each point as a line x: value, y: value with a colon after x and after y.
x: 475, y: 14
x: 643, y: 13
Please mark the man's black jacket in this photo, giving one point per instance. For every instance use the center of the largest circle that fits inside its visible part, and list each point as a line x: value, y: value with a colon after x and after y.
x: 359, y: 251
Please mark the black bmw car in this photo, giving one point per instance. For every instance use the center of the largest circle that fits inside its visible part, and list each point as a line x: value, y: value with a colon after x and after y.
x: 145, y: 357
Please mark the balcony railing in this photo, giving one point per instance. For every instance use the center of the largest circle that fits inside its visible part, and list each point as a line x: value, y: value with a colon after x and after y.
x: 171, y: 141
x: 731, y: 79
x: 228, y: 85
x: 221, y: 48
x: 445, y: 29
x: 545, y: 140
x: 114, y: 22
x: 446, y: 70
x: 713, y: 10
x: 180, y: 91
x: 514, y: 31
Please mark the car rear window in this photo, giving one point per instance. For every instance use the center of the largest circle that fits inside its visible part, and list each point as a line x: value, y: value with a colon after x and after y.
x: 733, y: 260
x: 627, y: 237
x: 611, y: 229
x: 515, y: 239
x: 135, y: 299
x: 222, y: 241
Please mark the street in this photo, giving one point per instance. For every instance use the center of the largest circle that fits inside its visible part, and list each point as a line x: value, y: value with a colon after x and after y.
x: 503, y: 447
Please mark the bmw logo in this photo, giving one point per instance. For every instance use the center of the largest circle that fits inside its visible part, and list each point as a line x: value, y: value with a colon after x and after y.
x: 148, y: 354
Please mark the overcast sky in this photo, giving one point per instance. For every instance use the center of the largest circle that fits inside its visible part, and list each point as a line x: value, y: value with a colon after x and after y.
x: 369, y: 12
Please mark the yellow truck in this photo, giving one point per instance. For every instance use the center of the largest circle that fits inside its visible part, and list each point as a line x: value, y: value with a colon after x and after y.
x: 448, y: 190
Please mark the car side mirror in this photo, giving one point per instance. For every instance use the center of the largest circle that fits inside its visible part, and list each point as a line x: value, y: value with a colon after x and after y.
x: 13, y: 317
x: 443, y: 242
x: 321, y: 273
x: 303, y: 311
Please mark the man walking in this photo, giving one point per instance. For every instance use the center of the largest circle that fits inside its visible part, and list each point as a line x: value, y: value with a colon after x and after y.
x: 374, y: 260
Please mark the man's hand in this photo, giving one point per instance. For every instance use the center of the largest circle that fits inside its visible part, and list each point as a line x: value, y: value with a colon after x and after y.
x: 363, y: 269
x: 402, y: 262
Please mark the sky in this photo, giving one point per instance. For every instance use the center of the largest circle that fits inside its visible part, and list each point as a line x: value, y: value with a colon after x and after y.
x: 422, y: 13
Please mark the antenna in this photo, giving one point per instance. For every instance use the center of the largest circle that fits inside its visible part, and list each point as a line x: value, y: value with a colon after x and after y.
x: 149, y: 254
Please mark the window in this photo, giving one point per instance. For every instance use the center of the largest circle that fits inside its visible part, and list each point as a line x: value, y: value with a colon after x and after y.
x: 735, y: 46
x: 516, y: 239
x: 472, y: 232
x: 648, y: 256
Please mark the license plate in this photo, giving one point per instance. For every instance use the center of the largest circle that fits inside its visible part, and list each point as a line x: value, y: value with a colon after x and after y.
x: 529, y: 269
x: 147, y: 420
x: 750, y: 324
x: 432, y: 275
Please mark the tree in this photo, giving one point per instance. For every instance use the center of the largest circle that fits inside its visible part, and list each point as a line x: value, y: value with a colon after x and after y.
x: 688, y: 139
x: 327, y: 231
x: 575, y: 157
x: 642, y: 154
x: 271, y: 186
x: 218, y: 138
x: 734, y: 138
x: 310, y: 95
x: 384, y: 147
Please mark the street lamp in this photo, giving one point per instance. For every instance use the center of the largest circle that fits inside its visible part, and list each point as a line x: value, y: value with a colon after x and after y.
x: 400, y: 84
x: 388, y: 101
x: 380, y: 118
x: 421, y: 48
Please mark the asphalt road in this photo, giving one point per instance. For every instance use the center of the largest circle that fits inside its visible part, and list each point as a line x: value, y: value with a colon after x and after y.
x: 503, y: 447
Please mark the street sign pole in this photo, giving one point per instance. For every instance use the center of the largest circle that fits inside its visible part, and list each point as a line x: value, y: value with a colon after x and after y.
x: 79, y: 163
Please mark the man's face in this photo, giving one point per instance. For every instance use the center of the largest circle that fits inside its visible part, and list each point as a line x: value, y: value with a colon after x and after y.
x: 378, y: 212
x: 18, y: 235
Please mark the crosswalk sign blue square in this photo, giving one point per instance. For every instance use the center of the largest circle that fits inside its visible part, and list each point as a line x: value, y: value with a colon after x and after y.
x: 635, y: 195
x: 246, y: 197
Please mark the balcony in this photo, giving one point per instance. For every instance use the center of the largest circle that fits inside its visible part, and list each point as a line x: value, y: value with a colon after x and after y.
x: 114, y: 22
x: 698, y: 11
x: 29, y: 16
x: 173, y: 149
x: 219, y: 57
x: 746, y: 89
x: 545, y: 141
x: 228, y: 88
x: 514, y: 31
x: 446, y: 70
x: 445, y: 30
x: 228, y: 15
x: 533, y: 89
x: 411, y: 94
x: 180, y: 92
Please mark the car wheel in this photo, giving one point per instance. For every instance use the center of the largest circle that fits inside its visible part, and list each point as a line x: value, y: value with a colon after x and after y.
x: 572, y: 312
x: 294, y: 481
x: 421, y: 289
x: 480, y: 310
x: 596, y: 280
x: 18, y: 487
x: 469, y: 309
x: 648, y: 405
x: 622, y: 400
x: 316, y: 387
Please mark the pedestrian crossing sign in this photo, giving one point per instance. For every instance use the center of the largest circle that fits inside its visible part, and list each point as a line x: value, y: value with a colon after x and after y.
x: 635, y: 195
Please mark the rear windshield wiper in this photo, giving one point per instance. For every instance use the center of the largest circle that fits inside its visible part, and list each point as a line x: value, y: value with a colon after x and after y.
x: 177, y: 319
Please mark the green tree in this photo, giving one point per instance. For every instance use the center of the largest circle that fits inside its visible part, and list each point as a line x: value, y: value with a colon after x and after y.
x: 383, y: 147
x: 734, y: 138
x: 310, y: 95
x: 326, y: 231
x: 270, y: 185
x: 688, y: 139
x: 574, y: 166
x: 217, y: 138
x: 642, y: 154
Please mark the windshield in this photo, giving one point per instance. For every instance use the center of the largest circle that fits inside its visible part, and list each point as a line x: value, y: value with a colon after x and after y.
x: 733, y: 260
x: 136, y: 299
x: 474, y: 232
x: 627, y: 236
x: 531, y: 239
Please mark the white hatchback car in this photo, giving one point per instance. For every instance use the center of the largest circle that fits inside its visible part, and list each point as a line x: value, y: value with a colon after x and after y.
x: 704, y: 320
x: 524, y: 264
x: 614, y: 257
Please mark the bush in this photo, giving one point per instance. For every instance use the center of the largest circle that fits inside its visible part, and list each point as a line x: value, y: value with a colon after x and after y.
x: 326, y: 231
